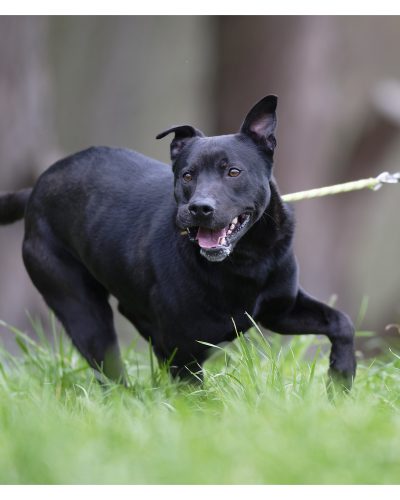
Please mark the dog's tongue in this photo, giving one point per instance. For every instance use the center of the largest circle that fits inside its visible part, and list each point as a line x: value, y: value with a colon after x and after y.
x: 208, y: 238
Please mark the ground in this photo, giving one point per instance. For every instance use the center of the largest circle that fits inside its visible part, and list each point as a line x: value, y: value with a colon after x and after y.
x: 263, y: 416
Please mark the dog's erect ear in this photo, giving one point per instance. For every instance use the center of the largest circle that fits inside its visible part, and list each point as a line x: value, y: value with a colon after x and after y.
x: 260, y: 122
x: 183, y: 134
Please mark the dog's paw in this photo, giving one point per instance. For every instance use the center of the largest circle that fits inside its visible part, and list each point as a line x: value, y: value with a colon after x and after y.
x: 342, y: 367
x: 339, y: 382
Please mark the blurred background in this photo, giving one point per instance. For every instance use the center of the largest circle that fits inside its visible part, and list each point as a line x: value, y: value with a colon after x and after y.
x: 67, y: 83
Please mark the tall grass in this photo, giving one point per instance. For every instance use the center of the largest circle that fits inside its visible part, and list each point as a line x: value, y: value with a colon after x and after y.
x: 263, y: 415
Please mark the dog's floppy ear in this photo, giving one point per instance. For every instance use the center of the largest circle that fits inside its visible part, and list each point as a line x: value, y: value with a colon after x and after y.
x: 183, y: 134
x: 260, y: 122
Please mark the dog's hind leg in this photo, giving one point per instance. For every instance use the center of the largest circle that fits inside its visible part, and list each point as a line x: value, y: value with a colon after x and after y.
x: 78, y: 300
x: 308, y: 315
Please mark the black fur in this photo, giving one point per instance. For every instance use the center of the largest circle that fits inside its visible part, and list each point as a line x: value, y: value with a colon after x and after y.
x: 12, y: 205
x: 104, y: 221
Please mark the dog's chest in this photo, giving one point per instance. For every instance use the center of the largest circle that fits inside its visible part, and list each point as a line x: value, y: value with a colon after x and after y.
x: 206, y: 302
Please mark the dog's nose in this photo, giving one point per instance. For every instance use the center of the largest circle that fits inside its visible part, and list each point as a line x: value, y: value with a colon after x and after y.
x: 202, y: 208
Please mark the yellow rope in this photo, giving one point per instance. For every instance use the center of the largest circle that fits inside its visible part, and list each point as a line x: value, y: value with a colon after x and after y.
x: 371, y: 183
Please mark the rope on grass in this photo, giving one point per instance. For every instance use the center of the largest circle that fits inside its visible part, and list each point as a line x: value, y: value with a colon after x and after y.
x: 373, y: 183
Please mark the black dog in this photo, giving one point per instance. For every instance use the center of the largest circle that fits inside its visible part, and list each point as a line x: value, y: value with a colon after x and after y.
x: 104, y: 221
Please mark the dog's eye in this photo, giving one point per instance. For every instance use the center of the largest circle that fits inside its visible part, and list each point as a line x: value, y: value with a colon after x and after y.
x: 234, y: 172
x: 187, y: 177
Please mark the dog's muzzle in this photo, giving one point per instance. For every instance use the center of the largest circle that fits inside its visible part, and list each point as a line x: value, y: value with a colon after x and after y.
x: 217, y: 244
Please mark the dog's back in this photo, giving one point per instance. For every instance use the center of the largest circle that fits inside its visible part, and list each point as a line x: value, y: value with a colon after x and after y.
x: 94, y: 200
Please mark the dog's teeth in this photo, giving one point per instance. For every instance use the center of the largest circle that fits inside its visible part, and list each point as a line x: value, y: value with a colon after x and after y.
x: 223, y: 241
x: 232, y: 227
x: 235, y: 220
x: 229, y: 232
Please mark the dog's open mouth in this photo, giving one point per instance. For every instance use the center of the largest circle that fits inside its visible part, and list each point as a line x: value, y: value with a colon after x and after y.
x: 216, y: 244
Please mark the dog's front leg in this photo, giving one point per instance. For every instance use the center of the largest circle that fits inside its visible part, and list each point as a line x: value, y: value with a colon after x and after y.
x: 309, y: 316
x: 187, y: 368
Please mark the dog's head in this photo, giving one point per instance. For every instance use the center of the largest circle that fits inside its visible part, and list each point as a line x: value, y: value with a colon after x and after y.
x: 222, y: 183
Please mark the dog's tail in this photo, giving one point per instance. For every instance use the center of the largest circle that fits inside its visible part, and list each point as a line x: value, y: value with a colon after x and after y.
x: 12, y: 205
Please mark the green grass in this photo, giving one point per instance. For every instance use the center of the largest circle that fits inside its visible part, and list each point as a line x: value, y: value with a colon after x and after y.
x: 262, y: 416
